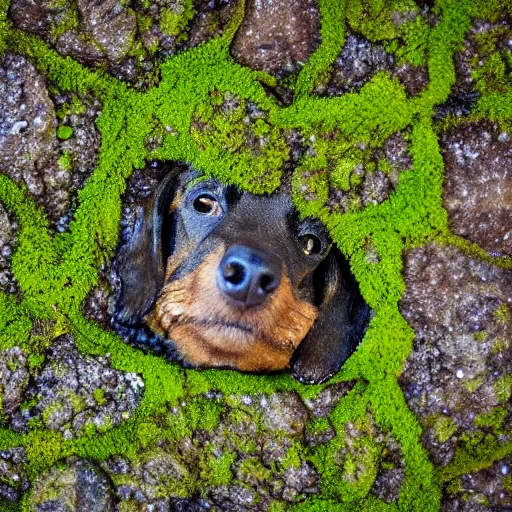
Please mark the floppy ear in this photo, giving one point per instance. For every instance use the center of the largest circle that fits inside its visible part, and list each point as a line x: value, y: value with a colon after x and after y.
x: 342, y: 320
x: 141, y: 265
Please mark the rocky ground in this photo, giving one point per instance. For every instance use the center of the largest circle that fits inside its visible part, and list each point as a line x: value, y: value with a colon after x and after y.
x: 263, y: 451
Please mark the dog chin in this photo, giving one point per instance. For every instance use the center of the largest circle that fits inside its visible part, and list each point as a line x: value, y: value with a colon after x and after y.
x: 222, y: 344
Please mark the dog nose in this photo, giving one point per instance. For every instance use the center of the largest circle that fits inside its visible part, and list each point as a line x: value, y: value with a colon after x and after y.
x: 248, y: 276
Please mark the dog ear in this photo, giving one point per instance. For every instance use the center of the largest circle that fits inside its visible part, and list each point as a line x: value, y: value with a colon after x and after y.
x: 340, y: 326
x: 141, y: 266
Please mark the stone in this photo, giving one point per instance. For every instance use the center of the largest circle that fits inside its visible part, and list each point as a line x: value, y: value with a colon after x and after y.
x: 277, y: 36
x: 111, y: 24
x: 13, y: 480
x: 359, y: 60
x: 76, y: 487
x: 13, y: 378
x: 460, y: 310
x: 478, y: 185
x: 73, y: 393
x: 482, y: 491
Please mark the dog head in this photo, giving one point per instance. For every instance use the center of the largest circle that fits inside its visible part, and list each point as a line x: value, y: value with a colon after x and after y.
x: 238, y: 280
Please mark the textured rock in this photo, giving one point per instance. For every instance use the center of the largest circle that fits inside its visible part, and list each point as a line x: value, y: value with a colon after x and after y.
x: 360, y: 60
x: 478, y: 185
x: 460, y: 310
x: 73, y: 393
x: 111, y: 24
x: 75, y: 487
x: 13, y: 378
x: 7, y: 241
x: 277, y: 36
x: 357, y: 63
x: 254, y: 443
x: 489, y: 489
x: 30, y: 151
x: 27, y: 133
x: 371, y: 181
x: 268, y: 450
x: 13, y: 481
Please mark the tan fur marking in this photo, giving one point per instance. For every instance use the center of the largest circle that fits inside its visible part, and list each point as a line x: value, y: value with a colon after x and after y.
x: 210, y: 332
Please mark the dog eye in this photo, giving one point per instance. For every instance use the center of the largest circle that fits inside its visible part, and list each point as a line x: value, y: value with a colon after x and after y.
x: 311, y: 244
x: 207, y: 205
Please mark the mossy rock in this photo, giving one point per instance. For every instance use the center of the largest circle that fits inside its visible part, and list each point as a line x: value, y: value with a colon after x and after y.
x: 214, y: 431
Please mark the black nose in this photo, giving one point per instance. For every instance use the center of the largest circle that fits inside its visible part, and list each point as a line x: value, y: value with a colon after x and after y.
x: 248, y: 276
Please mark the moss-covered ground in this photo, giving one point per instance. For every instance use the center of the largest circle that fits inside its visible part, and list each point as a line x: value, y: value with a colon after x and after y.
x: 55, y: 273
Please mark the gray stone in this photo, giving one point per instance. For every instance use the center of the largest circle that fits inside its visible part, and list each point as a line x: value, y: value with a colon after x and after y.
x: 460, y: 310
x: 482, y: 491
x: 478, y: 185
x: 78, y: 486
x: 13, y: 378
x: 74, y: 392
x: 111, y: 24
x: 13, y: 481
x: 277, y: 36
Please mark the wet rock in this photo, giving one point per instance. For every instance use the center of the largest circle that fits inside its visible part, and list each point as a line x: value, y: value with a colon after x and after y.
x: 478, y: 185
x: 391, y: 474
x: 285, y: 412
x: 325, y: 402
x: 484, y: 491
x: 250, y: 458
x: 357, y: 63
x: 211, y: 17
x: 7, y: 243
x: 32, y: 17
x: 75, y: 44
x: 455, y: 379
x: 360, y: 60
x: 78, y: 153
x: 74, y: 393
x: 111, y: 24
x: 78, y: 486
x: 52, y: 168
x: 363, y: 176
x: 277, y: 36
x: 13, y: 481
x: 13, y: 378
x: 27, y: 133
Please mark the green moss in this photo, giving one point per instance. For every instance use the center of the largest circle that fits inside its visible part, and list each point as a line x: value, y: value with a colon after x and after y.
x: 503, y: 388
x: 218, y: 469
x: 64, y: 132
x: 493, y: 419
x: 174, y: 21
x: 292, y: 459
x: 502, y: 314
x: 253, y: 469
x: 373, y: 18
x: 69, y: 21
x: 473, y: 384
x: 65, y: 162
x: 99, y: 396
x: 444, y: 427
x: 318, y: 425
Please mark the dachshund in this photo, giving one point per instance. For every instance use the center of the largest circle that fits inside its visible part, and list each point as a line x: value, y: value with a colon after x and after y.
x: 238, y: 280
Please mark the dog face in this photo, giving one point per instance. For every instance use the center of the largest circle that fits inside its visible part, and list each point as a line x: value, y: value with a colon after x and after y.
x: 237, y: 280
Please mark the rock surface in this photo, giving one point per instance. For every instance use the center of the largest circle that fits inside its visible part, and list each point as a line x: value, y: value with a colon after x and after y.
x: 460, y: 310
x: 69, y: 393
x: 277, y: 36
x: 478, y: 189
x: 76, y: 486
